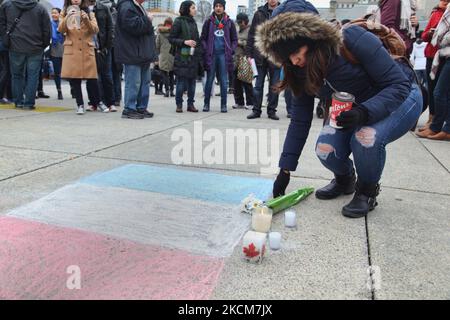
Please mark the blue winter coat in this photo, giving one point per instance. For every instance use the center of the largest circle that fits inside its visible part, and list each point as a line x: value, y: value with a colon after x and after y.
x: 294, y: 6
x: 378, y: 84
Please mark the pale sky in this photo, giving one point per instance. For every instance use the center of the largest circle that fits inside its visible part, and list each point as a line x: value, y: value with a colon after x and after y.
x: 231, y: 6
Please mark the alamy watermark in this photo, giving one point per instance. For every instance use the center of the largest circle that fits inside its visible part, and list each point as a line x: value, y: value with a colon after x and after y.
x: 230, y: 146
x: 74, y: 280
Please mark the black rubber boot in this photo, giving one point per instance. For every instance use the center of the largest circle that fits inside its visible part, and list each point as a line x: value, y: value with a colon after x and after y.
x: 364, y: 200
x: 338, y: 186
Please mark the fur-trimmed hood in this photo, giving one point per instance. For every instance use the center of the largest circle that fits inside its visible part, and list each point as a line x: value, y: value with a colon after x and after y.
x: 290, y: 25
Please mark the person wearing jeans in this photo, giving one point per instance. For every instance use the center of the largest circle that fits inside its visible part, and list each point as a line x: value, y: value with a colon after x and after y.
x: 28, y: 24
x: 24, y: 88
x: 137, y: 87
x: 134, y: 45
x: 219, y: 41
x: 5, y: 78
x: 57, y: 50
x: 441, y: 119
x: 264, y: 67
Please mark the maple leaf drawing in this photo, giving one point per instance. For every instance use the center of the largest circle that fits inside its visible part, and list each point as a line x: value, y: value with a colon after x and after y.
x: 251, y: 251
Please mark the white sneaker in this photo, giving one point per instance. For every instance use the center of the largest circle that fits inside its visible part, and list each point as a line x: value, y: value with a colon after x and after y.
x: 80, y: 110
x: 112, y: 108
x: 103, y: 108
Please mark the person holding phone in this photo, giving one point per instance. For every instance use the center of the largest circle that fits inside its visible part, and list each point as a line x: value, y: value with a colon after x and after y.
x: 80, y: 28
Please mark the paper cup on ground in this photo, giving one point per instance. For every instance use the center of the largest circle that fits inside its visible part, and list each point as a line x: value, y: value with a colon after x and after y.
x: 254, y: 246
x: 275, y: 240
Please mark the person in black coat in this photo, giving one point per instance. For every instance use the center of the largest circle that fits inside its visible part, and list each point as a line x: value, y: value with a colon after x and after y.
x: 135, y: 48
x: 265, y: 68
x: 187, y: 49
x: 103, y: 54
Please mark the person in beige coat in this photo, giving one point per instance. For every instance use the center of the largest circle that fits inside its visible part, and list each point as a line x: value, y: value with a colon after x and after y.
x: 79, y: 25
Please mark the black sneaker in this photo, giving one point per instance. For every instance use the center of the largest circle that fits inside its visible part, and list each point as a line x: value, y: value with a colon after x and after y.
x: 131, y: 114
x: 41, y: 94
x: 273, y: 116
x: 146, y: 113
x: 254, y: 115
x: 364, y: 200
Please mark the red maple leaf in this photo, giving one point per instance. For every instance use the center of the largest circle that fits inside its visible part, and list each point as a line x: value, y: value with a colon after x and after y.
x: 251, y: 251
x: 221, y: 26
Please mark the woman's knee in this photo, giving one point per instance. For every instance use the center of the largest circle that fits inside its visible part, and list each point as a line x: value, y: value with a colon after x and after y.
x: 365, y: 138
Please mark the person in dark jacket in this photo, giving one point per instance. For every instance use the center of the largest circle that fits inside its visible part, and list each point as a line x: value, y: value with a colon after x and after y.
x: 104, y: 42
x: 219, y: 41
x: 28, y: 40
x: 185, y: 39
x: 387, y: 104
x: 265, y: 68
x: 5, y: 74
x: 134, y: 45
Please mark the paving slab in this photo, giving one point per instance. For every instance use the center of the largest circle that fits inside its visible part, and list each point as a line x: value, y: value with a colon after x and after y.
x: 409, y: 238
x: 19, y: 161
x: 440, y: 150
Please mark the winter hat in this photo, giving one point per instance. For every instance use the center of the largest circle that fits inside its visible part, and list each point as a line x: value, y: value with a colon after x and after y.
x: 294, y: 6
x: 222, y: 2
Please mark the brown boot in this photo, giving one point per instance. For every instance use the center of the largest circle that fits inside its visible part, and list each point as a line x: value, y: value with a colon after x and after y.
x: 179, y: 109
x: 426, y: 133
x: 427, y: 124
x: 440, y: 136
x: 192, y: 109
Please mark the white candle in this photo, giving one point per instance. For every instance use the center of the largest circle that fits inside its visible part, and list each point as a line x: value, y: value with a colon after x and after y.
x: 290, y: 219
x: 261, y: 219
x: 254, y: 246
x: 275, y: 240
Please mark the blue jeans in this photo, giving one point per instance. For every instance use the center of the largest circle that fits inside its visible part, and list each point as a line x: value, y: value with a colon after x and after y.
x: 218, y: 66
x: 137, y: 87
x: 367, y: 143
x: 57, y: 65
x: 258, y: 90
x: 441, y: 119
x: 25, y: 72
x: 188, y: 84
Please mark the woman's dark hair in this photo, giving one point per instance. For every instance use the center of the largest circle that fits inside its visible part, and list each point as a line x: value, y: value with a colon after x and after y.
x: 57, y: 9
x: 308, y: 79
x: 185, y: 8
x: 84, y: 5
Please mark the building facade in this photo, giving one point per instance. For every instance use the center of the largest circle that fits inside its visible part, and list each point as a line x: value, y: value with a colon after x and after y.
x: 159, y: 5
x: 253, y: 5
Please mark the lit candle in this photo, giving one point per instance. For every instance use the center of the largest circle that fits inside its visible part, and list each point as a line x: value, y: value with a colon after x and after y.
x: 261, y: 219
x: 290, y: 219
x: 275, y: 240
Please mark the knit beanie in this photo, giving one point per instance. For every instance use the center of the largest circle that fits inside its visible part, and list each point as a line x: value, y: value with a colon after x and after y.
x: 222, y: 2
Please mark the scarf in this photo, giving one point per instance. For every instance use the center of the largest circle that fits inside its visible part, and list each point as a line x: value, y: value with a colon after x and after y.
x: 57, y: 37
x: 407, y: 9
x: 442, y: 31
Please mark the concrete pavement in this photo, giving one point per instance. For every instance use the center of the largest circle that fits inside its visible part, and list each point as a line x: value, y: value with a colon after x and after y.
x: 46, y: 155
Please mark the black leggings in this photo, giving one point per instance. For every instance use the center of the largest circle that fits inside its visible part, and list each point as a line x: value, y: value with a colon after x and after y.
x: 93, y: 86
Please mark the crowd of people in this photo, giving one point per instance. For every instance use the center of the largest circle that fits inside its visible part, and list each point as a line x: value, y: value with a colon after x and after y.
x: 286, y: 43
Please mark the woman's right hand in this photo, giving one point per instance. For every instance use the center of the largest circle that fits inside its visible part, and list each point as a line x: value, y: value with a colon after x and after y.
x: 190, y: 43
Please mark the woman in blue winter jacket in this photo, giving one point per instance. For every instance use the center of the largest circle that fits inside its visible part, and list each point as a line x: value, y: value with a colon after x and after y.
x: 386, y: 102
